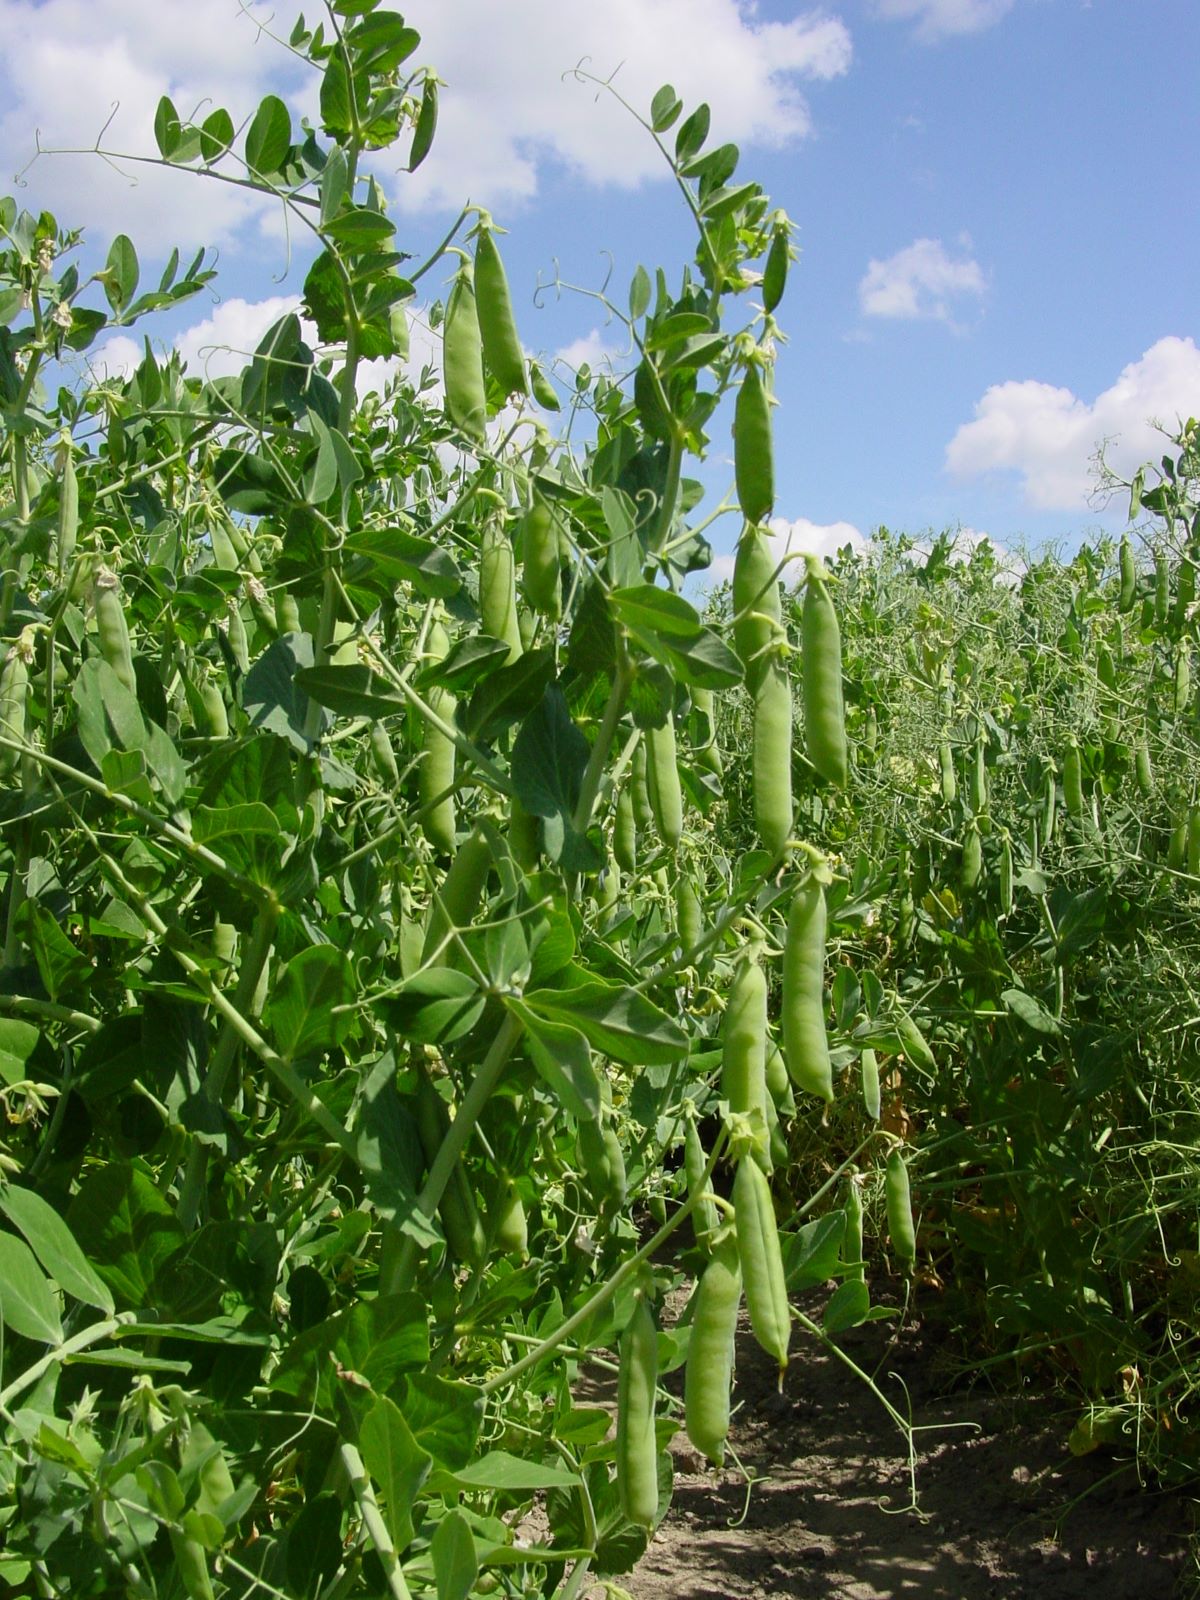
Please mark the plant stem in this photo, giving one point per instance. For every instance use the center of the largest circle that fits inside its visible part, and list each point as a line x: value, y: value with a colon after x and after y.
x: 373, y: 1521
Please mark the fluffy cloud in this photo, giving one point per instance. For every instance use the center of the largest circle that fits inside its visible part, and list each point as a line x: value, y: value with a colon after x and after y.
x: 67, y: 66
x: 919, y: 281
x: 217, y: 347
x: 513, y: 106
x: 943, y: 19
x: 794, y: 538
x: 1049, y: 435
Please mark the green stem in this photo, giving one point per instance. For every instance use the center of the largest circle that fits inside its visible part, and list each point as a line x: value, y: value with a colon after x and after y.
x: 666, y: 509
x: 598, y: 759
x: 373, y: 1521
x: 81, y: 1341
x: 25, y: 1005
x: 606, y: 1291
x: 398, y: 1272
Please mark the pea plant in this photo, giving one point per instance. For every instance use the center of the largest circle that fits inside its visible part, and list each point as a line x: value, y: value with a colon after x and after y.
x: 383, y: 1030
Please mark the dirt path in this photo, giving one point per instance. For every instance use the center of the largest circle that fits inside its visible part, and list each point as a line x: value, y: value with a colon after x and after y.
x: 993, y: 1500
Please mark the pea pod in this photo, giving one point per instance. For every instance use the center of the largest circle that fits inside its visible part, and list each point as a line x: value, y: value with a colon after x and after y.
x: 1073, y: 779
x: 1183, y: 678
x: 498, y: 587
x: 1143, y: 770
x: 625, y: 832
x: 949, y: 780
x: 457, y: 1209
x: 852, y: 1249
x: 972, y: 857
x: 435, y: 779
x: 802, y: 1009
x: 68, y: 514
x: 775, y: 272
x: 779, y: 1085
x: 112, y: 631
x: 757, y: 613
x: 502, y: 352
x: 689, y: 919
x: 897, y: 1194
x: 1128, y: 590
x: 707, y: 754
x: 824, y: 707
x: 979, y: 783
x: 14, y: 694
x: 870, y: 1083
x: 1049, y: 803
x: 753, y: 450
x: 462, y: 358
x: 1193, y: 840
x: 544, y: 391
x: 216, y: 717
x: 191, y: 1565
x: 639, y: 790
x: 1177, y: 846
x: 603, y: 1162
x: 744, y: 1048
x: 709, y: 1373
x: 771, y: 760
x: 637, y: 1443
x: 459, y: 896
x: 541, y: 559
x: 695, y: 1164
x: 383, y: 757
x: 914, y: 1042
x: 239, y: 645
x: 287, y: 613
x: 1162, y: 588
x: 509, y: 1228
x: 662, y: 782
x: 762, y: 1261
x: 1006, y: 875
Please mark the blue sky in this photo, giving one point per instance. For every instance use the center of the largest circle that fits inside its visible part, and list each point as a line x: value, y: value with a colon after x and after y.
x: 994, y: 203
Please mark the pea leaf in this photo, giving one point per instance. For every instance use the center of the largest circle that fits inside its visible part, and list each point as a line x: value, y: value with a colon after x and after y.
x: 55, y: 1246
x: 397, y: 1463
x: 563, y: 1057
x: 27, y: 1301
x: 618, y: 1021
x: 310, y: 1009
x: 269, y: 137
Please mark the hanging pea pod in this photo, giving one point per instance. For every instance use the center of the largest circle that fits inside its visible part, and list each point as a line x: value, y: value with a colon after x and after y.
x: 898, y: 1197
x: 457, y: 1209
x: 870, y: 1083
x: 509, y: 1226
x: 662, y: 782
x: 1049, y: 802
x: 541, y: 559
x: 639, y: 790
x: 753, y: 449
x: 1128, y: 570
x: 1073, y: 779
x: 1006, y: 874
x: 14, y: 694
x: 824, y: 709
x: 744, y: 1053
x: 625, y: 831
x: 637, y: 1444
x: 603, y: 1161
x: 435, y: 781
x: 852, y: 1249
x: 771, y: 760
x: 775, y: 272
x: 1183, y: 678
x: 695, y: 1164
x: 458, y: 898
x: 757, y: 612
x: 972, y: 857
x: 708, y: 753
x: 1162, y: 588
x: 709, y: 1373
x: 498, y: 587
x: 502, y: 353
x: 1143, y: 770
x: 802, y: 1009
x: 462, y: 358
x: 383, y: 757
x: 949, y: 780
x: 779, y: 1085
x: 761, y: 1261
x: 68, y: 512
x: 689, y: 918
x: 112, y: 630
x: 979, y: 783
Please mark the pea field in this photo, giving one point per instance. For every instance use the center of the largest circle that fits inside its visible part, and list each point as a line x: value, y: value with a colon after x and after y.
x: 468, y: 974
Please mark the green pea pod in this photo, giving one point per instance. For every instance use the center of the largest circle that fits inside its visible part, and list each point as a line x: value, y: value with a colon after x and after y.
x: 744, y: 1048
x: 1006, y: 875
x: 191, y: 1565
x: 753, y: 449
x: 112, y: 631
x: 775, y: 272
x: 979, y: 783
x: 1183, y: 678
x: 1143, y: 770
x: 757, y: 613
x: 897, y: 1194
x: 709, y: 1373
x: 852, y: 1249
x: 498, y: 587
x: 426, y: 124
x: 459, y: 896
x: 1049, y: 803
x: 1073, y: 779
x: 637, y: 1443
x: 462, y: 358
x: 509, y: 1229
x: 435, y: 776
x: 802, y: 1009
x: 1193, y: 840
x: 771, y: 760
x: 68, y: 515
x: 639, y: 791
x: 762, y: 1262
x: 1128, y: 590
x: 287, y: 613
x: 689, y: 918
x: 1177, y: 846
x: 541, y: 560
x: 383, y: 756
x: 779, y: 1085
x: 695, y: 1164
x: 916, y: 1046
x: 662, y: 782
x: 216, y: 717
x: 603, y: 1162
x: 544, y: 391
x: 502, y: 352
x: 824, y: 708
x: 870, y: 1083
x: 1162, y: 588
x: 949, y: 780
x: 457, y: 1209
x: 707, y: 754
x: 972, y: 856
x: 625, y: 832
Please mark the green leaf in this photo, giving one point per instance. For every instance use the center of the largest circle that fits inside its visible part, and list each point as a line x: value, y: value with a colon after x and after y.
x: 511, y: 1474
x: 1030, y: 1011
x: 401, y: 556
x: 693, y: 133
x: 639, y: 294
x: 18, y: 1041
x: 847, y: 1306
x: 216, y: 136
x: 435, y: 1006
x: 126, y: 1229
x: 455, y: 1567
x: 444, y: 1416
x: 508, y: 694
x: 396, y: 1462
x: 269, y: 137
x: 310, y: 1009
x: 620, y: 1022
x: 55, y: 1246
x: 563, y: 1057
x: 468, y: 662
x: 168, y: 131
x: 271, y: 697
x: 668, y: 629
x: 380, y: 1339
x: 359, y: 230
x: 334, y: 182
x: 63, y: 969
x: 350, y: 691
x: 664, y: 108
x: 811, y: 1254
x: 121, y: 273
x: 27, y: 1301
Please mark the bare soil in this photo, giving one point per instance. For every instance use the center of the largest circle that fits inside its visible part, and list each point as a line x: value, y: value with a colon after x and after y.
x: 1004, y: 1510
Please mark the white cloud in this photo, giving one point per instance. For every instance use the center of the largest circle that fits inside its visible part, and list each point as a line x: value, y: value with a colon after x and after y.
x: 513, y: 105
x: 944, y: 19
x: 796, y: 537
x: 919, y: 281
x: 594, y: 351
x: 67, y: 65
x: 1049, y: 435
